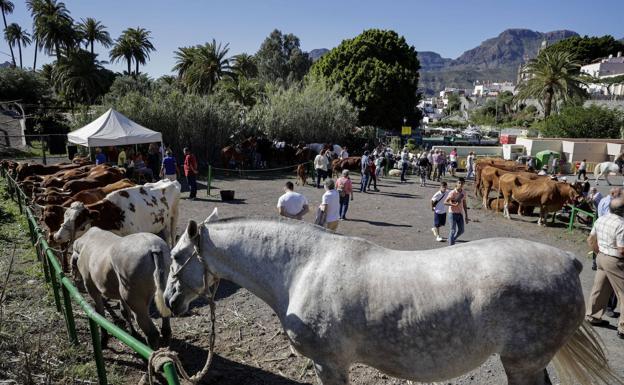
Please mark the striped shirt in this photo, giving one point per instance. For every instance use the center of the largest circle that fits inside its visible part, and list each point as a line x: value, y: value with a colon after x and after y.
x: 609, y: 232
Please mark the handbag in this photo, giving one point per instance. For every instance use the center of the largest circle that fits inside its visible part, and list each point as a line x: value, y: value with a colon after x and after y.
x: 321, y: 217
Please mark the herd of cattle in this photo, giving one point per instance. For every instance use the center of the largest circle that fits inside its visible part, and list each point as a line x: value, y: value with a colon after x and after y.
x: 71, y: 197
x: 521, y: 190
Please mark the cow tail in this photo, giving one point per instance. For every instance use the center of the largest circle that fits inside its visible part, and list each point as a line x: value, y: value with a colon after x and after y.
x: 160, y: 282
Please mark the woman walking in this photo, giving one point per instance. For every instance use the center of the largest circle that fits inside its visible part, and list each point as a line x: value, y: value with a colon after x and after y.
x: 344, y: 186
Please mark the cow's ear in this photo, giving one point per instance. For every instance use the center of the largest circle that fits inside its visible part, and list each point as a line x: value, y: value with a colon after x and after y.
x: 94, y: 214
x: 191, y: 229
x: 213, y: 217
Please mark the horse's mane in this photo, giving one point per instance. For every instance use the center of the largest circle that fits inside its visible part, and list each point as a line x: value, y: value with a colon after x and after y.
x: 307, y: 226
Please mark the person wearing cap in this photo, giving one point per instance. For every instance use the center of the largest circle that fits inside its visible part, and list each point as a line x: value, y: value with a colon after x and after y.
x: 344, y: 186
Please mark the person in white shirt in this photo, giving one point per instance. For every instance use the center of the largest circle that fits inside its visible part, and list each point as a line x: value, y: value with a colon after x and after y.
x: 470, y: 165
x: 291, y: 204
x: 404, y: 163
x: 582, y: 170
x: 344, y: 154
x: 330, y: 205
x: 321, y: 164
x: 439, y: 210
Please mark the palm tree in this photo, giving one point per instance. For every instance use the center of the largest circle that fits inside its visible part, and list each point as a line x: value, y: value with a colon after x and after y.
x: 141, y: 46
x: 53, y: 27
x: 91, y: 30
x: 7, y: 7
x: 34, y: 6
x: 78, y: 77
x: 245, y: 65
x: 552, y: 78
x: 122, y: 50
x: 133, y: 44
x: 201, y: 67
x: 15, y: 34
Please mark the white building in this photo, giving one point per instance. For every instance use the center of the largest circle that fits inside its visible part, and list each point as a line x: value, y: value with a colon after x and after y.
x: 492, y: 88
x: 604, y: 69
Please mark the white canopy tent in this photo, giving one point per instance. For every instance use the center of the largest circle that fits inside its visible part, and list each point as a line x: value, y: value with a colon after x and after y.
x: 113, y: 129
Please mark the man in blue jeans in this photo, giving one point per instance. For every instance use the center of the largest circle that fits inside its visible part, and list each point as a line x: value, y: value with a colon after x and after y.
x: 365, y: 172
x: 456, y: 200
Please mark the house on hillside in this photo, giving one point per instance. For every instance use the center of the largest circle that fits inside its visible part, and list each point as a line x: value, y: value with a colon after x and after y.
x: 492, y: 89
x: 604, y: 70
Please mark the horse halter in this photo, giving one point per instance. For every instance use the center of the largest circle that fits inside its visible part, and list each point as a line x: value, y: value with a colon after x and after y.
x: 205, y: 291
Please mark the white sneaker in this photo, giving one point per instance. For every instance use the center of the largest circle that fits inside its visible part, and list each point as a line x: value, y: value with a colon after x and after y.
x: 440, y: 239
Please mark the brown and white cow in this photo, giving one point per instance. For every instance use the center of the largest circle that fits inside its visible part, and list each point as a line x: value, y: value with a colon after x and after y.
x: 151, y: 208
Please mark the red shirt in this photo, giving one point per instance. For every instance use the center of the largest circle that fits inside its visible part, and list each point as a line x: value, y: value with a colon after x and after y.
x: 190, y: 165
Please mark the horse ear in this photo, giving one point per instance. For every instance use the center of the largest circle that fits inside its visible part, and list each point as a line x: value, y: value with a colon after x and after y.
x: 213, y: 217
x: 191, y: 229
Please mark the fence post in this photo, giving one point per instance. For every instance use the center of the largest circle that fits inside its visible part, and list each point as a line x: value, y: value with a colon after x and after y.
x: 69, y: 314
x: 97, y: 351
x: 209, y: 181
x: 43, y: 151
x: 572, y: 216
x: 55, y: 286
x: 19, y: 201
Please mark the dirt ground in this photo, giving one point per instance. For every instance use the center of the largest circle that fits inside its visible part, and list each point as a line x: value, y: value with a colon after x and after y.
x: 250, y: 346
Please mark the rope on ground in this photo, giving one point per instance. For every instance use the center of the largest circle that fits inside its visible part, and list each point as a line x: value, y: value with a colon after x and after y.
x: 160, y: 357
x: 261, y: 170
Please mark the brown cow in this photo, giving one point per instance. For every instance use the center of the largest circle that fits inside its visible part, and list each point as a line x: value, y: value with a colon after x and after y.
x: 488, y: 181
x: 481, y: 164
x: 94, y: 179
x: 549, y: 195
x: 96, y: 194
x: 28, y: 169
x: 496, y: 204
x: 507, y: 182
x: 302, y: 175
x: 52, y: 216
x: 352, y: 163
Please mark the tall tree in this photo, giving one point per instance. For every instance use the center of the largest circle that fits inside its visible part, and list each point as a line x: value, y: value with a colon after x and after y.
x: 91, y: 30
x: 280, y: 58
x: 244, y: 65
x: 122, y: 50
x: 14, y: 34
x: 54, y: 29
x: 552, y: 78
x: 202, y: 66
x: 7, y: 7
x: 78, y: 77
x: 378, y: 71
x: 141, y: 46
x: 35, y: 6
x: 587, y: 49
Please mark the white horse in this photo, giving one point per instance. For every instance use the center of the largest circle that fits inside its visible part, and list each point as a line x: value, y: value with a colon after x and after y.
x: 604, y: 169
x: 420, y: 315
x: 317, y: 147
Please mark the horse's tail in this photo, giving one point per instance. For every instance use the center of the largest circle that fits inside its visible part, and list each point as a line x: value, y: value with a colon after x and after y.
x: 160, y: 282
x: 597, y: 170
x: 582, y: 360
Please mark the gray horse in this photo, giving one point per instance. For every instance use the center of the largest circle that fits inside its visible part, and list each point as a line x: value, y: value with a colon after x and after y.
x: 130, y: 269
x: 420, y: 315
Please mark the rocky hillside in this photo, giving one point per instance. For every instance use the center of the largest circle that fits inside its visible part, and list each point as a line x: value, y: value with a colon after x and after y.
x: 509, y: 48
x: 316, y: 54
x: 496, y: 59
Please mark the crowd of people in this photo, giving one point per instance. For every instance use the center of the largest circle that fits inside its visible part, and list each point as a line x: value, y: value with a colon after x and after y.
x: 155, y: 163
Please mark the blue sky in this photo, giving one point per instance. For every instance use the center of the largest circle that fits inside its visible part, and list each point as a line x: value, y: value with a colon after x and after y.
x: 447, y: 27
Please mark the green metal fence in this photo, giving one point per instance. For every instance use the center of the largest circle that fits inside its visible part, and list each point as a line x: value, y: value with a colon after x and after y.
x: 65, y: 292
